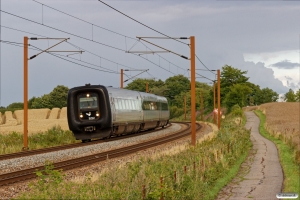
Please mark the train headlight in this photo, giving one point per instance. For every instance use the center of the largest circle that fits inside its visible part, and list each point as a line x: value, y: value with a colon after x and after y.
x: 88, y: 95
x: 81, y: 115
x: 97, y: 114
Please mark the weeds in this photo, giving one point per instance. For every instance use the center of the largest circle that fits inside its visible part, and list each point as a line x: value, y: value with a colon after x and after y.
x: 196, y: 173
x: 13, y: 142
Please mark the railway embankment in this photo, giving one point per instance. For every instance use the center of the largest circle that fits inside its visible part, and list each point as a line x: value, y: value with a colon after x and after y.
x: 194, y: 173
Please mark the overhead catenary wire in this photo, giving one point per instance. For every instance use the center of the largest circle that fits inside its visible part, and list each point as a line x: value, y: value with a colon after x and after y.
x: 68, y: 43
x: 150, y: 28
x: 58, y: 56
x: 106, y: 29
x: 141, y: 23
x: 74, y: 35
x: 116, y: 48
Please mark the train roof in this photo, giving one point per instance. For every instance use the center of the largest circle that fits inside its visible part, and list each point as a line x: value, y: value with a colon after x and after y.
x: 131, y: 94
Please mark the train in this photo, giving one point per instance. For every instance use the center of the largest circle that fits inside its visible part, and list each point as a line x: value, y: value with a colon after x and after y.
x: 97, y: 111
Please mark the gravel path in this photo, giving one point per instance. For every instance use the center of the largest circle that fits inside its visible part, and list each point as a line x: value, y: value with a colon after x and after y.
x: 79, y: 175
x: 260, y: 176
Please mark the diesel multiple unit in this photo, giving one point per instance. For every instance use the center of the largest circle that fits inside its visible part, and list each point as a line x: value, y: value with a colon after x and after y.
x: 96, y: 111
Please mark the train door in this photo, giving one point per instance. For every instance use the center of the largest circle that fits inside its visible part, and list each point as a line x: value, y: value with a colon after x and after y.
x: 112, y: 106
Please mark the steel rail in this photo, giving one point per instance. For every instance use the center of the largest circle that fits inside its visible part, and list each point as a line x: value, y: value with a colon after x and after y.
x: 70, y: 146
x: 18, y: 176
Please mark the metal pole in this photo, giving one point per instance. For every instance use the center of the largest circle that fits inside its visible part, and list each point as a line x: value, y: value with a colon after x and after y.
x: 122, y: 78
x: 214, y: 103
x: 219, y: 101
x: 184, y: 107
x: 193, y: 93
x: 147, y: 87
x: 25, y: 120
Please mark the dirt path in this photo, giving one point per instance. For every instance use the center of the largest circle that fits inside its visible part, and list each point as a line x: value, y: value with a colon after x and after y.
x: 260, y: 176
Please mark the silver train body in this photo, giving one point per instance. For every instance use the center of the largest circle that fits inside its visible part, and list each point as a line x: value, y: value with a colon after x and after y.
x: 96, y: 111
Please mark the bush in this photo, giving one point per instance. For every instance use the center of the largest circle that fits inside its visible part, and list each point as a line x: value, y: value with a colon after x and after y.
x: 176, y: 112
x: 237, y: 111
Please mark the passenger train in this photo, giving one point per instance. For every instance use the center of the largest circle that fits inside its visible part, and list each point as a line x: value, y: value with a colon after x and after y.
x: 96, y: 111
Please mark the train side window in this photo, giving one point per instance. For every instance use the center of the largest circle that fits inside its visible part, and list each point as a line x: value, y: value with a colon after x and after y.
x: 164, y: 106
x: 117, y: 103
x: 146, y: 105
x: 130, y: 104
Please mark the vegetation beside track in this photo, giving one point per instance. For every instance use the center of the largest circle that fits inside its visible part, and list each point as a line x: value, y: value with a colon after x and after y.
x: 287, y: 154
x: 13, y: 142
x: 201, y: 172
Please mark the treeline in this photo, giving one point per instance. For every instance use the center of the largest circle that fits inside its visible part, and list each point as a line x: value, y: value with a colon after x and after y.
x: 292, y: 96
x: 236, y: 90
x: 57, y: 98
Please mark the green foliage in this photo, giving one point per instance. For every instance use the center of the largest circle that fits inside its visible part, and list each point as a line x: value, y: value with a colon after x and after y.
x: 177, y: 85
x: 211, y: 173
x: 298, y: 95
x: 55, y: 99
x: 140, y: 84
x: 231, y: 76
x: 237, y: 111
x: 49, y: 177
x: 58, y: 97
x: 290, y: 96
x: 13, y: 142
x: 288, y: 158
x: 15, y: 106
x: 238, y: 94
x: 175, y: 111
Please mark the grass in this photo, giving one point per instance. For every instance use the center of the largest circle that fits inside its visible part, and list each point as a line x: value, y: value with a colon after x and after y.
x: 13, y: 142
x: 291, y: 168
x: 209, y: 167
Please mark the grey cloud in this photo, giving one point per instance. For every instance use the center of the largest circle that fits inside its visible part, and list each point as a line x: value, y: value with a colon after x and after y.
x: 285, y: 64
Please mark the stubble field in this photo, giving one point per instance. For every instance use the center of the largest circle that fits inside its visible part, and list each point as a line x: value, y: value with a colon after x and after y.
x: 283, y: 121
x: 39, y: 120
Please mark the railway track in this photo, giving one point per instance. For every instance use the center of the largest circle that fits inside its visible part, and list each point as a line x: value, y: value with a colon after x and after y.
x: 13, y: 177
x: 69, y: 146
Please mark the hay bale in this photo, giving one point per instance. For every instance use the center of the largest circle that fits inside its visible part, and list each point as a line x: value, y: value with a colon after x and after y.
x: 33, y: 114
x: 9, y: 119
x: 54, y: 113
x: 63, y: 113
x: 1, y: 120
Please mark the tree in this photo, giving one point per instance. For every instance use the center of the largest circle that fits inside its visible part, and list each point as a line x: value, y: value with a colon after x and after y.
x: 58, y: 97
x: 269, y: 95
x: 229, y: 77
x: 140, y: 84
x: 176, y: 85
x: 298, y: 95
x: 42, y: 102
x: 238, y: 94
x: 290, y: 96
x: 16, y: 105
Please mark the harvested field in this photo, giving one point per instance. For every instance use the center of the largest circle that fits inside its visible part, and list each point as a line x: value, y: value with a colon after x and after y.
x: 54, y: 114
x: 39, y: 120
x: 9, y: 120
x: 283, y: 121
x: 33, y: 114
x: 63, y: 113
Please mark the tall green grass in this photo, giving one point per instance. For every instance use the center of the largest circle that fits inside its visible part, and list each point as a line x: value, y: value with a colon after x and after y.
x: 13, y: 142
x: 216, y: 162
x: 291, y: 168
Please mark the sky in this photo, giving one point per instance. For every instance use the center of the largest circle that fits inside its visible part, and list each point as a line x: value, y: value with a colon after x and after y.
x: 260, y: 37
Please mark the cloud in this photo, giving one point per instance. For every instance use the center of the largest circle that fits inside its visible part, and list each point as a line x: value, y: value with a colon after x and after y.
x: 285, y: 64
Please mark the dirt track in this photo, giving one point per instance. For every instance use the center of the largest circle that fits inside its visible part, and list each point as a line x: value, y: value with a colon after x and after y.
x: 260, y: 176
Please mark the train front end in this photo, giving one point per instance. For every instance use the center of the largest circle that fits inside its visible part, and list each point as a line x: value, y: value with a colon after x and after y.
x: 89, y: 112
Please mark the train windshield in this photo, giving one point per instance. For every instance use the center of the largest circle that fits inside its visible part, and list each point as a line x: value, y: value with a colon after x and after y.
x: 88, y: 100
